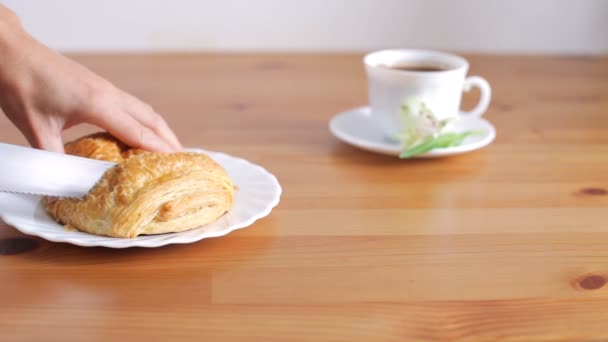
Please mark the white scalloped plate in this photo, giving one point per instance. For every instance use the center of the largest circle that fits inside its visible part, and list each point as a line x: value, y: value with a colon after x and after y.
x: 258, y: 193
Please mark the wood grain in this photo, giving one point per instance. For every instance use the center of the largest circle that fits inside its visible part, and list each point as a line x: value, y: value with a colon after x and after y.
x: 504, y: 244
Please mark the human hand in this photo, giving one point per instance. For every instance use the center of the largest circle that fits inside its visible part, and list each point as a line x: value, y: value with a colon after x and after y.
x: 43, y: 92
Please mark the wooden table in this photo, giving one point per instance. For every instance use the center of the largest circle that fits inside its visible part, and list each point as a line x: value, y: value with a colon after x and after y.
x: 506, y: 243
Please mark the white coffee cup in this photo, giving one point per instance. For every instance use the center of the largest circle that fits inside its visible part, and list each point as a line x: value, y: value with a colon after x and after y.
x: 395, y: 75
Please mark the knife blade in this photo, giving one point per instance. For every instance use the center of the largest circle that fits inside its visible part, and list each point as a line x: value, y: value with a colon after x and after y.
x: 32, y: 171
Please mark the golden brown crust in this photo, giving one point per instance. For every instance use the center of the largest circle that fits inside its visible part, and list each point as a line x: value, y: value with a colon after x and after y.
x: 146, y: 193
x: 101, y: 146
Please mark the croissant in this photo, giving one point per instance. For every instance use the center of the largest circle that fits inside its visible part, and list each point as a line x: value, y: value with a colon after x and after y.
x: 145, y: 193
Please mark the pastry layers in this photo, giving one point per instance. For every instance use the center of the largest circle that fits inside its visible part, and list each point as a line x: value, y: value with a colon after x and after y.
x: 146, y: 192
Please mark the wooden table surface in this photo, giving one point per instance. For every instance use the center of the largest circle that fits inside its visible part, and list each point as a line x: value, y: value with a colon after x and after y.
x: 506, y: 243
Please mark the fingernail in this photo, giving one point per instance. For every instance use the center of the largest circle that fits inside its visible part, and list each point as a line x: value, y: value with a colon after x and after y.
x: 176, y: 143
x: 154, y: 143
x: 179, y: 147
x: 175, y: 147
x: 169, y: 148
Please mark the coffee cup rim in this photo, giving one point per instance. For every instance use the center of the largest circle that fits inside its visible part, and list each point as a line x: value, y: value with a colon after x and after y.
x: 458, y: 62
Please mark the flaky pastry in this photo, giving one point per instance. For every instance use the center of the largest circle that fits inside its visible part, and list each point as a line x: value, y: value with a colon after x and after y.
x: 146, y: 193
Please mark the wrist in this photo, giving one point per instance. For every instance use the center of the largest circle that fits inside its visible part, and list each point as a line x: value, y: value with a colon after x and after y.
x: 11, y: 30
x: 12, y: 40
x: 8, y: 16
x: 9, y: 20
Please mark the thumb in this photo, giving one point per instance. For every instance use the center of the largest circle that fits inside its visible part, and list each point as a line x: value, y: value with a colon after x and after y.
x: 51, y: 142
x: 47, y: 138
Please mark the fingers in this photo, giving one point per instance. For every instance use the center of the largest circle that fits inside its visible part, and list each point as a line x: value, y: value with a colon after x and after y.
x: 130, y: 131
x: 41, y: 131
x: 44, y: 133
x: 51, y: 141
x: 145, y: 115
x: 45, y: 140
x: 129, y: 120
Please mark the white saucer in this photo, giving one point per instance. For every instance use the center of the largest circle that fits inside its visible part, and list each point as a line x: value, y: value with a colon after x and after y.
x: 356, y: 127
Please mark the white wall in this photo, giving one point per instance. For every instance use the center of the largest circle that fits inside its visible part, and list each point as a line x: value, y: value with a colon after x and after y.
x: 512, y: 26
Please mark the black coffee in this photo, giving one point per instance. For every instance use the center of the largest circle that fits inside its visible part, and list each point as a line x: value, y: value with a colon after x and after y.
x: 417, y: 67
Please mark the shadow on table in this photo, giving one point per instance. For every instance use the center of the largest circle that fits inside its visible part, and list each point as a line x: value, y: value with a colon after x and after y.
x: 346, y: 153
x: 233, y: 249
x: 351, y: 164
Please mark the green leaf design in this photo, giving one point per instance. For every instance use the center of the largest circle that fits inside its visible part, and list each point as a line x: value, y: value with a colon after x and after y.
x: 441, y: 141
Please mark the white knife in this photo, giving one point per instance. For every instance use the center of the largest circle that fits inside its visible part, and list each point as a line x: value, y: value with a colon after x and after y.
x: 37, y: 172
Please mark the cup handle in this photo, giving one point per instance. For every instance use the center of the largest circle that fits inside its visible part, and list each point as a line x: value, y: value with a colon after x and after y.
x: 486, y: 95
